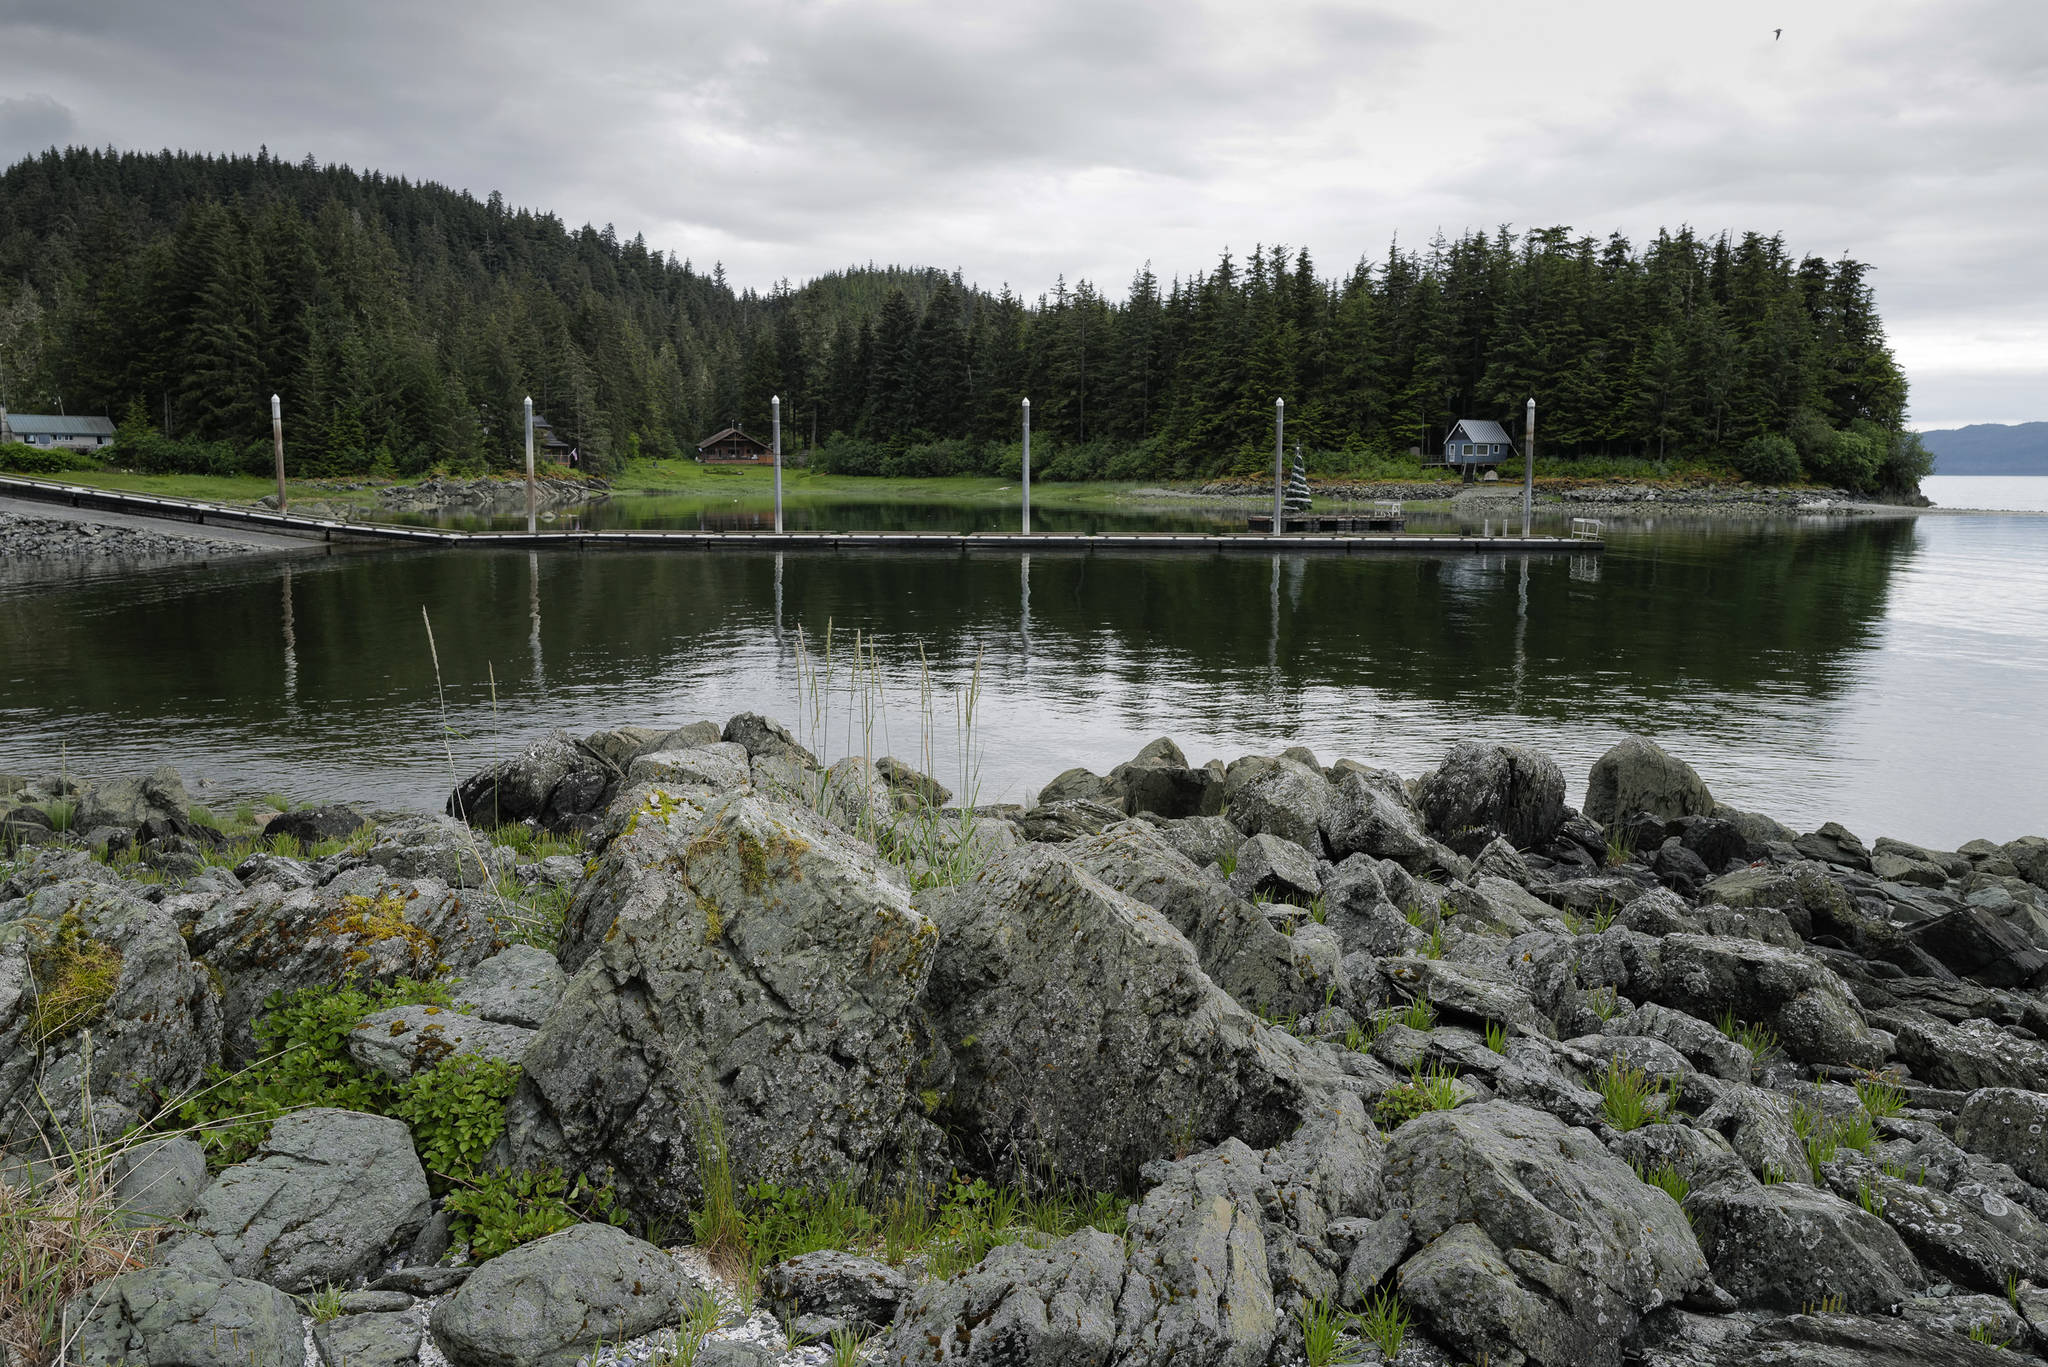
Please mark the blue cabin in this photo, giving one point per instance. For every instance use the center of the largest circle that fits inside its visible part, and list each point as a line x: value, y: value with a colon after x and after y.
x: 1474, y: 443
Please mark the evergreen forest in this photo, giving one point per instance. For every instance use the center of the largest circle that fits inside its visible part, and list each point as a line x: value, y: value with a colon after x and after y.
x: 403, y: 323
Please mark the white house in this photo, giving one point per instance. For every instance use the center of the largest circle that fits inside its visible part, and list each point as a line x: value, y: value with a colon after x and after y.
x: 44, y: 429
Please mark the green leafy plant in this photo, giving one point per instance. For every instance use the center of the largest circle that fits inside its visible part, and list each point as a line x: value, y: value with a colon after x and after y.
x: 1496, y: 1037
x: 1385, y: 1323
x: 847, y: 1344
x: 1762, y: 1043
x: 1668, y: 1180
x: 1630, y: 1098
x: 496, y: 1212
x: 1418, y: 1015
x: 1322, y: 1335
x: 325, y: 1304
x: 456, y: 1110
x: 700, y: 1320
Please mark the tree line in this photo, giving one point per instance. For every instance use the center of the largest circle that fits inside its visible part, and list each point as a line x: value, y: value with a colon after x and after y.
x: 403, y: 323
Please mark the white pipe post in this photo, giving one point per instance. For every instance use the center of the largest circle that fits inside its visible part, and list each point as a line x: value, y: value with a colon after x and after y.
x: 277, y: 445
x: 1529, y: 468
x: 532, y: 510
x: 775, y: 407
x: 1027, y: 466
x: 1279, y: 479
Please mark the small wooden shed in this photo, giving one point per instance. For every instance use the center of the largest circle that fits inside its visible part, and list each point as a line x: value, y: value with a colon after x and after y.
x: 734, y: 447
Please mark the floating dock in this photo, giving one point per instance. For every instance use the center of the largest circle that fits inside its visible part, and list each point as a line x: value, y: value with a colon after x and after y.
x: 840, y: 543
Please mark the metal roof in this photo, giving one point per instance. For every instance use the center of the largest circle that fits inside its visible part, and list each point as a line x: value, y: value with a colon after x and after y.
x: 1479, y: 429
x: 54, y: 425
x: 730, y: 432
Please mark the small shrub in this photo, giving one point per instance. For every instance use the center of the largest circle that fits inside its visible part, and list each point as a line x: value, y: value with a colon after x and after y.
x: 495, y: 1212
x: 1385, y: 1323
x: 456, y: 1110
x: 1768, y: 460
x: 1629, y: 1098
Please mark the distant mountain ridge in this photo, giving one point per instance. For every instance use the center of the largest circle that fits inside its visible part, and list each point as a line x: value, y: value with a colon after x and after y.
x: 1990, y: 448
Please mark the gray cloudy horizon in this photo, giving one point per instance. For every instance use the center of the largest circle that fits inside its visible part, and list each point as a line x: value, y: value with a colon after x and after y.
x: 1087, y: 138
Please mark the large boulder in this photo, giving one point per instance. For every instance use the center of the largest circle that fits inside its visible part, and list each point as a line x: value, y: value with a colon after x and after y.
x: 1240, y: 949
x: 168, y: 1317
x: 516, y: 986
x: 1970, y: 1055
x: 364, y: 927
x: 2009, y: 1126
x: 101, y: 1009
x: 1511, y: 789
x: 1221, y: 1253
x: 1085, y: 1035
x: 1536, y: 1241
x: 547, y: 1303
x: 1710, y: 976
x: 1374, y: 819
x: 158, y: 796
x: 1786, y: 1245
x: 564, y: 785
x: 1282, y: 797
x: 1977, y: 1242
x: 829, y: 1285
x: 1638, y: 775
x: 403, y: 1040
x: 739, y: 962
x: 326, y: 1198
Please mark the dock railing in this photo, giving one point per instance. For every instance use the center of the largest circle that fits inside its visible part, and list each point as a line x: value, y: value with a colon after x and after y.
x: 1585, y: 529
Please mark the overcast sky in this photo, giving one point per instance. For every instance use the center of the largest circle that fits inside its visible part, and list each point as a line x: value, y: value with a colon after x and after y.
x: 1086, y: 137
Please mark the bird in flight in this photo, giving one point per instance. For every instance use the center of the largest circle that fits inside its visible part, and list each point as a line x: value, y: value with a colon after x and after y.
x: 1777, y: 34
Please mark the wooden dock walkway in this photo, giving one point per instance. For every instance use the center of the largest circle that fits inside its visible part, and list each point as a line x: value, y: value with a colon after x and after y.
x: 838, y: 543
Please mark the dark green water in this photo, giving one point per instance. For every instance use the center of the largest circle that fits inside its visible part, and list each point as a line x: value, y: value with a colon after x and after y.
x: 1887, y: 674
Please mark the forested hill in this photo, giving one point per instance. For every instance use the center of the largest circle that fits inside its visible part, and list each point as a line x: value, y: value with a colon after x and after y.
x: 1990, y: 449
x: 402, y: 322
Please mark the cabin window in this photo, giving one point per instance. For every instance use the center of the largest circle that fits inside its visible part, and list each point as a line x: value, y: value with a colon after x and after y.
x: 1468, y: 448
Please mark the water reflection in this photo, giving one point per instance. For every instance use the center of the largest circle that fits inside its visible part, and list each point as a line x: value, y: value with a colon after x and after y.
x: 1763, y: 655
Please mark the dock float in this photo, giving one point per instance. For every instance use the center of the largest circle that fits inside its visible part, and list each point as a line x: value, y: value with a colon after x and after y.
x: 834, y: 543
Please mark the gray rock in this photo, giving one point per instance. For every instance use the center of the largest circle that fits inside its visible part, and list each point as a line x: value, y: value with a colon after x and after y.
x: 1496, y: 906
x: 1086, y: 1036
x: 546, y: 1303
x: 403, y: 1040
x: 130, y: 802
x: 375, y: 1302
x: 735, y: 956
x: 311, y: 826
x: 1788, y: 1245
x: 1952, y: 1235
x: 763, y: 737
x: 150, y: 1038
x: 908, y: 781
x: 722, y: 767
x: 1511, y: 789
x: 1499, y: 859
x: 863, y: 1293
x: 369, y: 1340
x: 1377, y: 1247
x: 2009, y: 1126
x: 159, y: 1181
x: 1758, y: 1125
x: 1071, y: 819
x: 516, y: 986
x: 734, y: 1353
x: 1161, y: 782
x: 1638, y: 775
x: 1970, y: 1054
x: 1282, y: 797
x: 439, y: 848
x: 1898, y: 868
x: 1834, y: 844
x: 325, y: 1199
x: 1277, y: 868
x: 1975, y: 942
x: 422, y: 1281
x: 1703, y: 1046
x: 1556, y: 1247
x: 1203, y: 840
x: 1824, y: 1339
x: 1081, y: 785
x: 1364, y: 818
x: 363, y: 927
x: 1054, y: 1307
x: 1469, y: 991
x: 166, y: 1317
x: 1702, y: 1157
x: 1239, y: 948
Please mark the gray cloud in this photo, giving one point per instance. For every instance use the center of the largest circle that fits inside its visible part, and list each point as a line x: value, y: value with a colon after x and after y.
x: 29, y: 123
x: 1084, y: 137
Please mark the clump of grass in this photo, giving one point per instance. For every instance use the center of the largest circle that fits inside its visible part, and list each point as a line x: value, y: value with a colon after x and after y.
x: 325, y: 1304
x: 847, y: 1345
x: 1833, y: 1304
x: 719, y: 1227
x: 530, y: 842
x: 1418, y: 1015
x: 700, y: 1319
x: 1630, y: 1098
x: 2012, y: 1289
x: 1319, y: 911
x: 1761, y: 1042
x: 1981, y: 1333
x: 1496, y: 1037
x: 1385, y: 1323
x: 1605, y: 1003
x: 1881, y: 1099
x: 1433, y: 1089
x: 1433, y: 948
x: 1824, y: 1137
x: 63, y: 813
x: 1322, y: 1335
x: 1867, y: 1197
x: 1668, y: 1180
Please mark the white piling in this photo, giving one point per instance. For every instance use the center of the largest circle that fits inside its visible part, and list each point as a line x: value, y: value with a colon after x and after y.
x: 1529, y: 468
x: 1279, y: 476
x: 532, y: 503
x: 1027, y: 466
x: 775, y: 408
x: 277, y: 445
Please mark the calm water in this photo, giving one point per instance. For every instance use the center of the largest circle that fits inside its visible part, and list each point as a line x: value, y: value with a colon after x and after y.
x: 2007, y: 493
x: 1888, y: 674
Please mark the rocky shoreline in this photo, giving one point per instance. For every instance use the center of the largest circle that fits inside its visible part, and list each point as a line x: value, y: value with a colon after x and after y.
x: 682, y: 1042
x: 1591, y: 499
x: 26, y: 538
x: 489, y: 496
